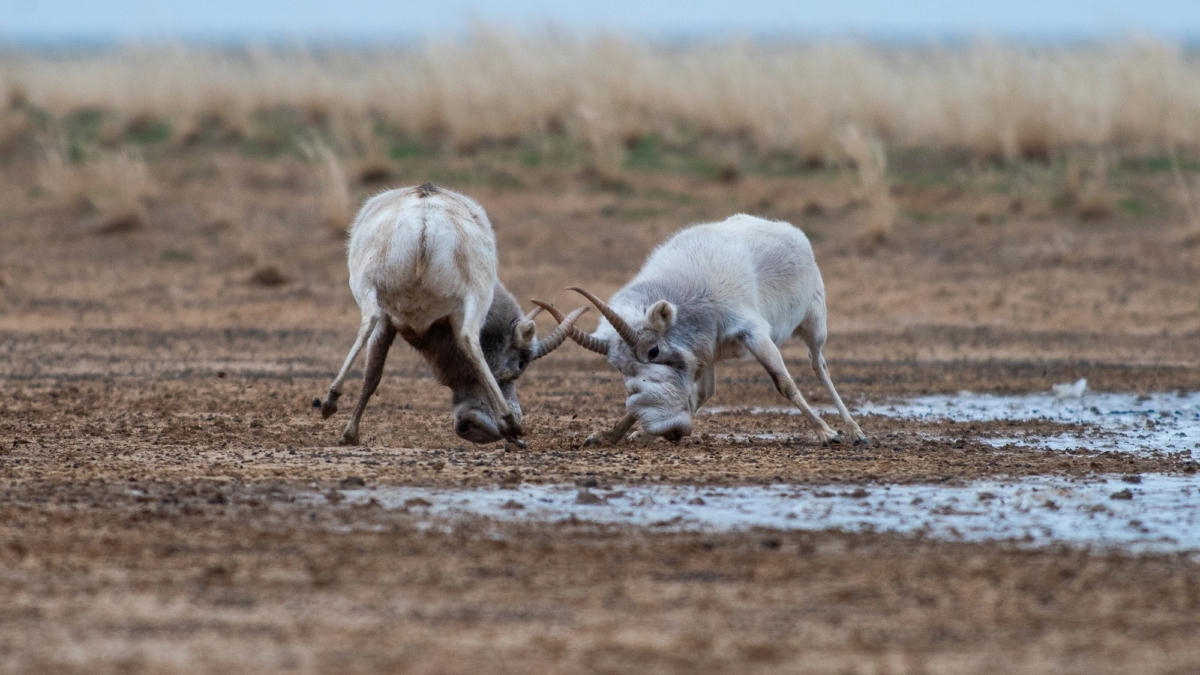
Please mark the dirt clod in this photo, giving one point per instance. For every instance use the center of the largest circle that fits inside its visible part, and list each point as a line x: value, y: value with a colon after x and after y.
x: 268, y: 275
x: 124, y: 222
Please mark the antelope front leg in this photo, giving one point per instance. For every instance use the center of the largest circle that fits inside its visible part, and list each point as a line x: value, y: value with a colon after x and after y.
x: 822, y: 371
x: 615, y: 435
x: 380, y: 343
x: 768, y: 355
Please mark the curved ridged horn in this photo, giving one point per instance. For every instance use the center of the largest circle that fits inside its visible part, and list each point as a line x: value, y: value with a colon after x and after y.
x: 553, y: 340
x: 623, y: 329
x: 533, y: 313
x: 584, y: 340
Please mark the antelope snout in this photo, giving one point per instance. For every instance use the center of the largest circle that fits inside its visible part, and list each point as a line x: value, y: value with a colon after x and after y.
x: 476, y: 426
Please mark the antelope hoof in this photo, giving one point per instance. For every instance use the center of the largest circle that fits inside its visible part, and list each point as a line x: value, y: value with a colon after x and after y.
x: 348, y: 438
x: 831, y: 437
x: 511, y: 429
x: 329, y: 405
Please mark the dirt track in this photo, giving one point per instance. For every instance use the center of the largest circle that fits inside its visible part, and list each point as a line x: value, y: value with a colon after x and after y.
x: 156, y: 445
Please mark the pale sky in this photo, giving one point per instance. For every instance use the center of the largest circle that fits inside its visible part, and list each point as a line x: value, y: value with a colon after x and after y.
x: 375, y: 20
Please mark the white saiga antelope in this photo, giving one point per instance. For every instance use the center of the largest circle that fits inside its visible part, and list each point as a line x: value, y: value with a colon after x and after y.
x: 423, y: 264
x: 710, y: 293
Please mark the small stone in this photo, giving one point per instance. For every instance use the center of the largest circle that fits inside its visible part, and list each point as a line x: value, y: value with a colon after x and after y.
x: 512, y: 505
x: 438, y: 465
x: 268, y: 275
x: 1132, y: 478
x: 352, y: 482
x: 587, y: 482
x: 122, y: 222
x: 416, y: 502
x: 221, y: 374
x: 1122, y: 494
x: 697, y: 501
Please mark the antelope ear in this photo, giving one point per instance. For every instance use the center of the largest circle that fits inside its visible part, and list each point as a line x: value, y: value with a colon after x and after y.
x: 524, y: 333
x: 661, y: 316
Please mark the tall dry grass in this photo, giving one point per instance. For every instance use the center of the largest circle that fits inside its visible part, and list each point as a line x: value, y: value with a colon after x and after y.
x: 1000, y: 99
x: 870, y: 161
x: 1189, y: 197
x: 336, y: 204
x: 115, y: 184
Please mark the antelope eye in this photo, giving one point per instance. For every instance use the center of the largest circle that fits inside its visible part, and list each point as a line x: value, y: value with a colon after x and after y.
x: 653, y: 353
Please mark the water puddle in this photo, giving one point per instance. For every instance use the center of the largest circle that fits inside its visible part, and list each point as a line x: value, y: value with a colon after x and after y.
x: 1147, y: 513
x: 1116, y: 422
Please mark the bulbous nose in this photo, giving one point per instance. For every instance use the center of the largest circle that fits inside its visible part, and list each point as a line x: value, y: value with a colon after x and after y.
x: 477, y: 427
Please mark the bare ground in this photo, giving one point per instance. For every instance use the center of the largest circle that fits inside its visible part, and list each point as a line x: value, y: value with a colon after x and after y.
x: 157, y: 444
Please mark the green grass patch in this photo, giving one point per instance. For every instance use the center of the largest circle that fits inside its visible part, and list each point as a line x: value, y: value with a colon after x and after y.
x: 83, y: 124
x: 408, y: 148
x: 1134, y: 207
x: 505, y: 181
x: 177, y: 255
x: 925, y: 217
x: 670, y: 197
x: 146, y: 130
x: 640, y: 213
x: 277, y: 132
x: 531, y: 159
x: 645, y: 154
x: 453, y: 177
x: 1157, y: 164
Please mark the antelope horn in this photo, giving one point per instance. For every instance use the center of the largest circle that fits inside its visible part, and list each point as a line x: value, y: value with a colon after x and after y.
x: 583, y: 339
x: 623, y: 329
x: 553, y: 340
x: 533, y: 313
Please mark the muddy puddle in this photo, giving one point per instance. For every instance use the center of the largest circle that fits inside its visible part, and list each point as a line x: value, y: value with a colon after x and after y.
x: 1134, y: 513
x: 1112, y: 422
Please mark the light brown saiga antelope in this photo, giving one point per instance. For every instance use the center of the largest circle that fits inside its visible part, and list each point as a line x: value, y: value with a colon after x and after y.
x: 423, y: 264
x: 712, y: 292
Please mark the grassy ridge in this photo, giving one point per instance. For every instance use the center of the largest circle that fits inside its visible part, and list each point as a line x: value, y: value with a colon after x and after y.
x: 999, y: 101
x: 1095, y: 130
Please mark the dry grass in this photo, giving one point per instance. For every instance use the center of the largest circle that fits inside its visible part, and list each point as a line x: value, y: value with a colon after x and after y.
x: 870, y: 160
x: 1001, y: 100
x: 1085, y: 185
x: 115, y: 184
x: 1188, y: 198
x: 337, y: 207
